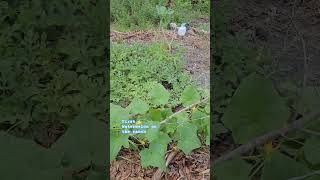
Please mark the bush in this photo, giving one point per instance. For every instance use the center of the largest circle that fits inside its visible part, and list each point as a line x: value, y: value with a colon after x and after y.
x: 136, y: 68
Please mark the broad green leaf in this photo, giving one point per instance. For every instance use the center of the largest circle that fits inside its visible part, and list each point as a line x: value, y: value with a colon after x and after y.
x: 155, y: 154
x: 312, y: 149
x: 152, y: 133
x: 117, y: 140
x: 138, y: 106
x: 310, y: 100
x: 182, y: 117
x: 84, y: 142
x: 155, y: 114
x: 159, y: 95
x: 24, y: 159
x: 187, y: 138
x: 189, y: 96
x: 232, y: 169
x: 274, y: 168
x: 199, y: 118
x: 255, y: 109
x: 117, y: 114
x: 208, y: 135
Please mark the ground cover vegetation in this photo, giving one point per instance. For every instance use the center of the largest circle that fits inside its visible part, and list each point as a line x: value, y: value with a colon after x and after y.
x: 149, y: 85
x: 52, y: 89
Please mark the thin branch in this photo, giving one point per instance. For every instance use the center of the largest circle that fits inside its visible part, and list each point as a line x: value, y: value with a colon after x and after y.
x: 184, y: 109
x: 311, y: 132
x: 295, y: 125
x: 305, y: 59
x: 306, y: 175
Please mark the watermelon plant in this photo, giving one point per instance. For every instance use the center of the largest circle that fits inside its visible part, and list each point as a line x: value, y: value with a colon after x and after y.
x: 187, y: 128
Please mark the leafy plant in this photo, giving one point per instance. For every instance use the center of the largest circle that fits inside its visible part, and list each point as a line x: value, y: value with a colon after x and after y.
x: 154, y: 13
x: 52, y: 69
x: 136, y: 70
x: 188, y: 128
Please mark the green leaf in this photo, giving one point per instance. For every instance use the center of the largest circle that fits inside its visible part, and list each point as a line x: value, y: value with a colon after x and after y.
x: 155, y: 114
x: 232, y: 169
x: 152, y: 133
x: 117, y: 114
x: 312, y: 149
x: 117, y: 140
x: 153, y: 156
x: 182, y: 117
x: 30, y: 160
x: 187, y: 138
x: 159, y: 95
x: 199, y: 118
x: 84, y: 142
x: 255, y: 109
x: 273, y: 168
x: 189, y: 96
x: 310, y: 100
x: 208, y: 136
x: 138, y: 106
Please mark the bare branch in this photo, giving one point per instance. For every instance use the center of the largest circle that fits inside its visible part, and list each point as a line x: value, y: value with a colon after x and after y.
x: 306, y: 175
x: 295, y: 125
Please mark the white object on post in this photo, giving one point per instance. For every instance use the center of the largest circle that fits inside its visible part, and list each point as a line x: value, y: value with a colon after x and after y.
x: 182, y: 30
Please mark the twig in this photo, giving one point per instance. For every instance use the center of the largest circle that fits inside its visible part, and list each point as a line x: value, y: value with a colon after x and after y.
x: 184, y: 109
x: 311, y: 132
x: 306, y: 175
x: 305, y: 61
x: 295, y: 125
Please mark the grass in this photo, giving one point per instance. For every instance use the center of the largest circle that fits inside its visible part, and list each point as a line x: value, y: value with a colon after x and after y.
x: 127, y: 15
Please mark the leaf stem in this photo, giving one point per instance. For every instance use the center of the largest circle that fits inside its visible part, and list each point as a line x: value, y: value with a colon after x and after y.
x: 184, y: 109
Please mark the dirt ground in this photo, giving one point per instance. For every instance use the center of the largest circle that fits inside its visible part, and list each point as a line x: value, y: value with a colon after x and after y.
x: 197, y: 63
x: 289, y: 31
x: 195, y: 166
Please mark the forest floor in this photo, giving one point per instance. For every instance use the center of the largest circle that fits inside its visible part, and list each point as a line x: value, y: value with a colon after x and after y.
x: 197, y: 63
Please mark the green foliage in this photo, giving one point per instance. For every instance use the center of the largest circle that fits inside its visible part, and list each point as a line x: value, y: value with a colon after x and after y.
x: 159, y: 95
x: 273, y: 168
x: 311, y: 150
x: 155, y: 154
x: 53, y: 68
x: 187, y: 137
x: 136, y: 68
x: 254, y: 110
x: 145, y: 14
x: 189, y: 96
x: 232, y: 169
x: 249, y: 103
x: 189, y: 128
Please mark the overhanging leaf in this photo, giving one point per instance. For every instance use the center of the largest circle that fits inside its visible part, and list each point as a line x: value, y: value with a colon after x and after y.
x: 255, y: 109
x: 84, y: 142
